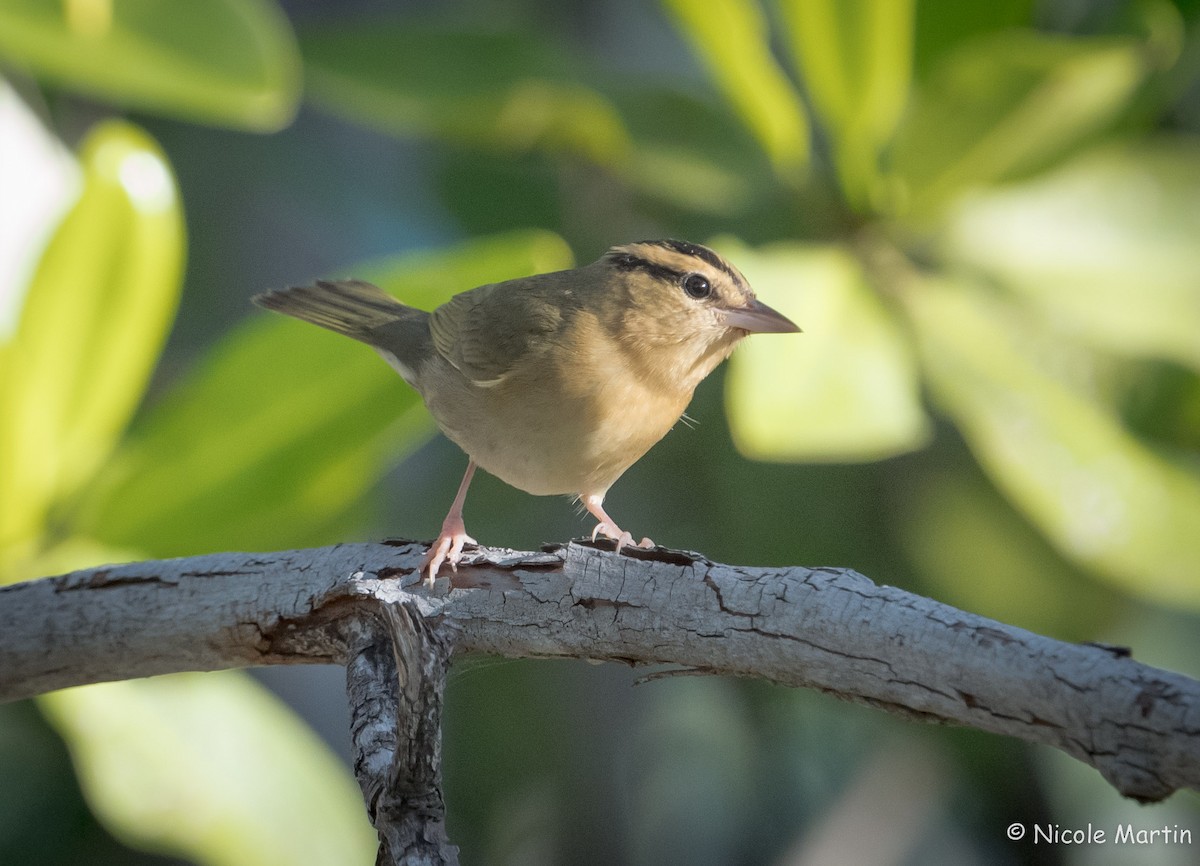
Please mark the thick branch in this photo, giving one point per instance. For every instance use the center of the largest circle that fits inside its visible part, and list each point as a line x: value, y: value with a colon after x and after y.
x: 829, y: 629
x: 395, y: 679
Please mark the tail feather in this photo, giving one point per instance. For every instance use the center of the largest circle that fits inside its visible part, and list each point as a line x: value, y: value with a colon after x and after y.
x: 351, y: 307
x: 365, y: 312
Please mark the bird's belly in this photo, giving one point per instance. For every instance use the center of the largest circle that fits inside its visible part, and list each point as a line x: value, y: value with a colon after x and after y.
x: 555, y: 441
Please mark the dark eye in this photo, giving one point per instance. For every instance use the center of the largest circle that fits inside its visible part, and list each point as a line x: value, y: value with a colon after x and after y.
x: 697, y: 286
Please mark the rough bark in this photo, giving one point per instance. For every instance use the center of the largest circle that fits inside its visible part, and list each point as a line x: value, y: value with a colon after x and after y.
x: 395, y: 678
x: 362, y: 606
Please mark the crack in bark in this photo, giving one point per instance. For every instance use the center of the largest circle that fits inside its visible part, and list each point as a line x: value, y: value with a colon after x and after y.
x: 102, y: 579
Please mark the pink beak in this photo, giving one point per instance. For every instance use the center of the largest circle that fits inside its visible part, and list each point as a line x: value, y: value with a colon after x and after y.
x: 757, y: 318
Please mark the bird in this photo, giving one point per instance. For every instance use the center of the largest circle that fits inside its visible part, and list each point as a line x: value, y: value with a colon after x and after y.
x: 555, y: 383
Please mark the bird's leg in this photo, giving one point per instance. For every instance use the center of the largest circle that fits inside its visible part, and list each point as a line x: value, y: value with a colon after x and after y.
x: 607, y: 527
x: 448, y: 546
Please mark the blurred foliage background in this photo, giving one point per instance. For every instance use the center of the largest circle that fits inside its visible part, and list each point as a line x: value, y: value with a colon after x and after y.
x: 986, y: 218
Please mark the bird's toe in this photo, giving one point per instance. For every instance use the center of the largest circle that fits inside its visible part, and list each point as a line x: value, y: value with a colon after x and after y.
x: 446, y: 549
x: 608, y: 529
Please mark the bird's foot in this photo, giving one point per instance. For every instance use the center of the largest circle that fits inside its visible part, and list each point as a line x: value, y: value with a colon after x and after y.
x: 447, y: 548
x: 610, y: 530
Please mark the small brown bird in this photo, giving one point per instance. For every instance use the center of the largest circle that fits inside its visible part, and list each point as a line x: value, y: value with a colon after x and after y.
x: 555, y: 383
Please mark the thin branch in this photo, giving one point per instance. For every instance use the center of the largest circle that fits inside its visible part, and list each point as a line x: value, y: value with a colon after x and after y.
x: 828, y: 629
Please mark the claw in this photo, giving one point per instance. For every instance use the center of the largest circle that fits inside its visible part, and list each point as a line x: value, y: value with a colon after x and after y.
x: 607, y: 527
x: 610, y: 530
x: 447, y: 548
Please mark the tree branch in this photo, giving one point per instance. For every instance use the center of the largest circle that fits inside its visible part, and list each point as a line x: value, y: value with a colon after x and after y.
x: 828, y: 629
x: 396, y: 679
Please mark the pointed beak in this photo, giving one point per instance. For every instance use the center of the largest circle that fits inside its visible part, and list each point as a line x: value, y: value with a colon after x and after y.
x: 757, y: 318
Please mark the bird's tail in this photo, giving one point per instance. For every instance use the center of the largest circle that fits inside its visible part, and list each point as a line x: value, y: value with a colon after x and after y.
x: 352, y: 307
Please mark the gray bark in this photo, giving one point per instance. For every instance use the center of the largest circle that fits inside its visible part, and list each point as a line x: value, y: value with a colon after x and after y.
x: 362, y: 606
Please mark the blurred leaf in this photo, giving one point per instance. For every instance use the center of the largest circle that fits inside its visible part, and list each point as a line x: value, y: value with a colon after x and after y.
x: 1106, y: 247
x: 1007, y: 105
x: 732, y: 39
x: 213, y: 768
x: 283, y: 427
x: 846, y: 388
x: 1101, y: 496
x: 857, y: 64
x: 426, y: 279
x: 274, y: 436
x: 225, y: 62
x: 512, y: 90
x: 692, y: 154
x: 976, y: 553
x: 41, y: 179
x: 94, y: 320
x: 943, y: 24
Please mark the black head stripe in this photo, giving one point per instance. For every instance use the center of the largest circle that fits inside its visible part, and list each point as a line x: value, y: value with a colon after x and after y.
x: 702, y: 253
x: 693, y: 250
x: 630, y: 262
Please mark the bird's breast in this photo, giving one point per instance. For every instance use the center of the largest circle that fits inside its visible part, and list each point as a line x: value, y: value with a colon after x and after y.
x: 562, y: 425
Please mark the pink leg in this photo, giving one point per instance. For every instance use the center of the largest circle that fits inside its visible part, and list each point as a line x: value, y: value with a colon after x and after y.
x: 607, y: 527
x: 448, y: 546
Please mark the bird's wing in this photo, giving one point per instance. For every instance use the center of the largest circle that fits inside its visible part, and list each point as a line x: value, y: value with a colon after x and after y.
x: 485, y: 332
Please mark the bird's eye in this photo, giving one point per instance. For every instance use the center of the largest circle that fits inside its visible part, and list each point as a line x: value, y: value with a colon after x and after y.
x: 697, y: 286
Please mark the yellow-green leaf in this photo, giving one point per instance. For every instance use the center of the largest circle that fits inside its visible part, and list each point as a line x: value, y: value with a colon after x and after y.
x: 857, y: 64
x: 1103, y: 498
x: 1007, y: 105
x: 844, y: 389
x: 93, y: 322
x: 732, y: 39
x: 226, y: 62
x: 211, y: 767
x: 1106, y: 247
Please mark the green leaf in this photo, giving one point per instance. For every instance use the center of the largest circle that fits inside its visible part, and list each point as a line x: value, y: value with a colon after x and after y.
x: 732, y: 39
x: 1008, y: 105
x: 846, y: 388
x: 508, y: 90
x: 225, y: 62
x: 857, y: 64
x: 943, y: 24
x: 284, y: 426
x: 211, y: 767
x: 94, y: 319
x: 1102, y: 497
x: 1105, y: 247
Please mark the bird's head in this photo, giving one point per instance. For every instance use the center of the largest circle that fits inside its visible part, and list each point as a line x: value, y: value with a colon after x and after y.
x: 684, y: 306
